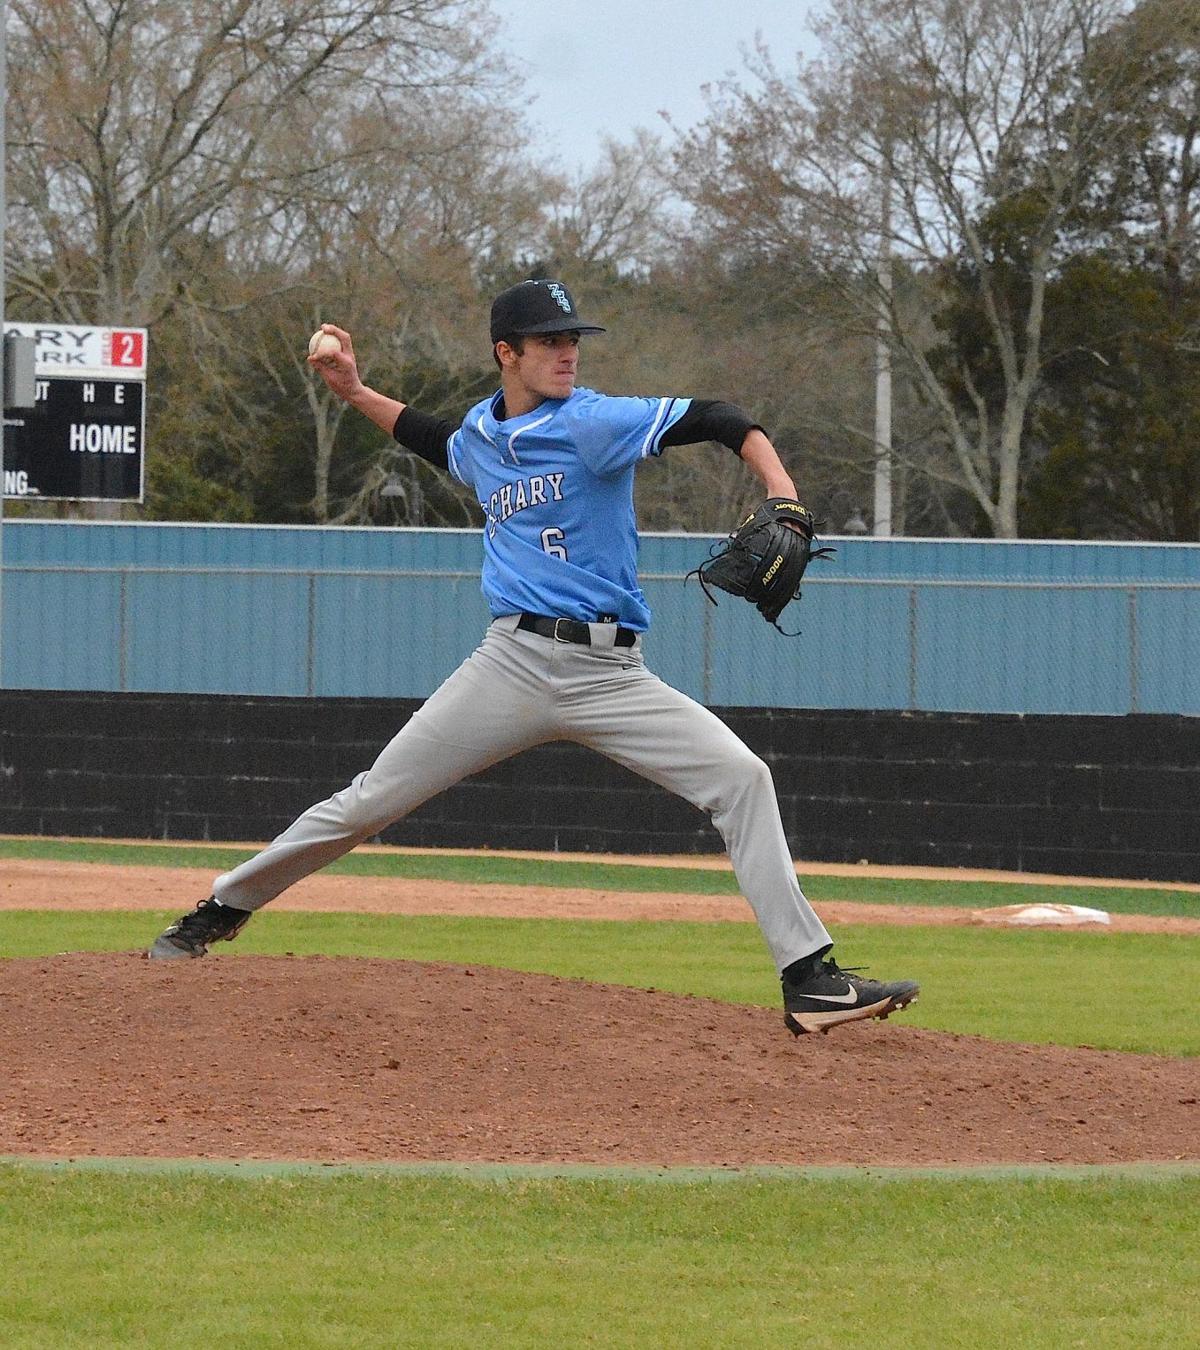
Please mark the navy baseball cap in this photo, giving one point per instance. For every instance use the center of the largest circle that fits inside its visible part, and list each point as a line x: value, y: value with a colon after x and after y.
x: 533, y: 307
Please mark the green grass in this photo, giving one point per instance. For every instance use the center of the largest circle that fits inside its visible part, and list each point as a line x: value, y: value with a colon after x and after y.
x: 1111, y: 990
x: 121, y: 1258
x: 181, y: 1260
x: 482, y: 869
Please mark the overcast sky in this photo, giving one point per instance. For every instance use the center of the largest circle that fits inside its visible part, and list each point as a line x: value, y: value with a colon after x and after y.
x: 604, y: 67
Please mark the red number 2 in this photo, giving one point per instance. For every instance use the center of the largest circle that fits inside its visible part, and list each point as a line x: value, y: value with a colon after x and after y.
x: 127, y: 349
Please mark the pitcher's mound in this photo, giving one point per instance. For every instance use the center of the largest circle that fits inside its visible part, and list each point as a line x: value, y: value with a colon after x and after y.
x: 332, y: 1059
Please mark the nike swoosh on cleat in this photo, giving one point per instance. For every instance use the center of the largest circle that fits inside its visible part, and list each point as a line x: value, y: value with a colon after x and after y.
x: 850, y: 997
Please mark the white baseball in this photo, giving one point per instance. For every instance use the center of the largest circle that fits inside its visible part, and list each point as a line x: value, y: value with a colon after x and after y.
x: 323, y: 344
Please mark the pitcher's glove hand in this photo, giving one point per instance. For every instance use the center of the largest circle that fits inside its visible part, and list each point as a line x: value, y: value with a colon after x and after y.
x: 765, y: 557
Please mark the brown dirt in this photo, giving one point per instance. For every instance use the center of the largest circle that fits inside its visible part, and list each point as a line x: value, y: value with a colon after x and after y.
x: 329, y: 1058
x: 332, y: 1058
x: 31, y: 884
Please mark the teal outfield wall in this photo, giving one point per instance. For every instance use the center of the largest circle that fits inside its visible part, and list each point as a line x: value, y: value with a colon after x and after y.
x: 939, y: 625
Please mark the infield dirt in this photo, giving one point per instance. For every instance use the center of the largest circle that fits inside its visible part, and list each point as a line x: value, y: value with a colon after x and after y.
x: 336, y: 1059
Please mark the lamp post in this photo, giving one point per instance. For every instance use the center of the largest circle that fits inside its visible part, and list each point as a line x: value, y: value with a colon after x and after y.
x: 883, y: 366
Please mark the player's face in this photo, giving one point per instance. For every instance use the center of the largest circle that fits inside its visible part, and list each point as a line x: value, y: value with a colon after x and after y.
x: 547, y: 366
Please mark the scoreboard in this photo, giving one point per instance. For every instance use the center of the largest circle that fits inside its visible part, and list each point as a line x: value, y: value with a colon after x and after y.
x: 84, y: 438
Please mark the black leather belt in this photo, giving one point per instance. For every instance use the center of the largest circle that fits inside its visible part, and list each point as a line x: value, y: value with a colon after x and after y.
x: 570, y: 630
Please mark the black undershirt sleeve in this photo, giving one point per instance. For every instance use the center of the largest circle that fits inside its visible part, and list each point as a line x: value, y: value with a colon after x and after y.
x: 425, y: 436
x: 711, y: 420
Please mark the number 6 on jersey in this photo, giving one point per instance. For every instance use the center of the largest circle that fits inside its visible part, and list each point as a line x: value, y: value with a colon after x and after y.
x: 551, y: 542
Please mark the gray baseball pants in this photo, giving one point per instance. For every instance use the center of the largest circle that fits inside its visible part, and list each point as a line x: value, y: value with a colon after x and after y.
x: 519, y: 689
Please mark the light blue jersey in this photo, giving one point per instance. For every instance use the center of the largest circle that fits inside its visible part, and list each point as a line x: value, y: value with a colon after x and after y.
x: 556, y: 485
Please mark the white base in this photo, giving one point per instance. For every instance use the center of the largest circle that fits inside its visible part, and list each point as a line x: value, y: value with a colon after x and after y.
x: 1042, y: 915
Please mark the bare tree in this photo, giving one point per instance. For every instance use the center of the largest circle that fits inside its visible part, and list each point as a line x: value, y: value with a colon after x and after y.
x: 954, y: 109
x: 616, y: 213
x: 147, y: 135
x: 387, y: 249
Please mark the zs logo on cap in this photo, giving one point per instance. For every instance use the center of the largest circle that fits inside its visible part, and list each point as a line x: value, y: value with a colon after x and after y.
x: 560, y: 296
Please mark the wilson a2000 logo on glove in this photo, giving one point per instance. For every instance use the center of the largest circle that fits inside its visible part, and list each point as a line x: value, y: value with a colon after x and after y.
x: 764, y: 559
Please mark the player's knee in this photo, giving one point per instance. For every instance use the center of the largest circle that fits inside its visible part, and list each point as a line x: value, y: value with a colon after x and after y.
x: 751, y: 773
x: 357, y: 803
x: 373, y: 802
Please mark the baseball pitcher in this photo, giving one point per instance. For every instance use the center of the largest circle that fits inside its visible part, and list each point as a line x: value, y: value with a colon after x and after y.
x: 552, y: 466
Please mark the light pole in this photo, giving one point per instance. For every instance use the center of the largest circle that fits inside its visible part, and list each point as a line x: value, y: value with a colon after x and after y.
x: 883, y: 366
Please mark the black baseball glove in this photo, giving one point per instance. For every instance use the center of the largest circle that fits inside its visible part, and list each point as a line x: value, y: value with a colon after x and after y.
x: 764, y: 558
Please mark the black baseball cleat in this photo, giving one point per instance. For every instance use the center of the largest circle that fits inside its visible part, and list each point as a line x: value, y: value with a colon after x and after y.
x: 188, y: 938
x: 821, y: 995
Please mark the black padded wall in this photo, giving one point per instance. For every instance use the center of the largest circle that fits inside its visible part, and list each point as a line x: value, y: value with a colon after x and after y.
x: 1106, y: 796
